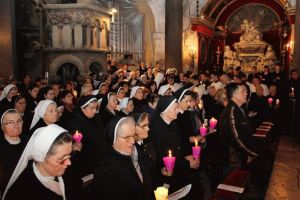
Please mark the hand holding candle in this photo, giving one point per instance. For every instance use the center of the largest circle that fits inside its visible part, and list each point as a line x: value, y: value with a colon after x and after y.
x: 212, y: 123
x: 77, y: 137
x: 169, y: 161
x: 277, y: 102
x: 203, y: 130
x: 196, y: 150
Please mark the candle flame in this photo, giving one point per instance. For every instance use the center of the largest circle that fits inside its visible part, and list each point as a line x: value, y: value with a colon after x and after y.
x: 76, y: 133
x: 170, y: 153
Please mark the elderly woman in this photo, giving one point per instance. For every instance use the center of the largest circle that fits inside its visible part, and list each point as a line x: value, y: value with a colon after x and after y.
x: 87, y: 122
x: 5, y: 99
x: 12, y: 144
x: 42, y: 163
x: 126, y: 107
x: 120, y: 176
x: 45, y: 114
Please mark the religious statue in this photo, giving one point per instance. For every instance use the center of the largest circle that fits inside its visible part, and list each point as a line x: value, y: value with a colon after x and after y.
x: 235, y: 60
x: 250, y: 32
x: 228, y: 57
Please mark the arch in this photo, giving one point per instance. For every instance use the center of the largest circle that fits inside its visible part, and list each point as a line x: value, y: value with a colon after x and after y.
x: 96, y: 59
x: 60, y: 60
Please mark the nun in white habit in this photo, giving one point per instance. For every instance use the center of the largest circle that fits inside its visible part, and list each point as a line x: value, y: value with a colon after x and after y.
x: 45, y: 113
x: 42, y: 163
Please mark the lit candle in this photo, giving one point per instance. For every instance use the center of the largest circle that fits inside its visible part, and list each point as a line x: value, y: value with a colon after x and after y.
x: 200, y: 104
x: 277, y: 101
x: 293, y: 90
x: 203, y: 131
x: 169, y: 161
x: 270, y: 101
x: 77, y: 137
x: 212, y: 123
x: 218, y: 48
x: 196, y: 150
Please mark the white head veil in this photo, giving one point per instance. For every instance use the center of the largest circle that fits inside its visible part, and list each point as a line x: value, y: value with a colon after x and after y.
x: 37, y: 149
x: 134, y: 90
x: 124, y: 102
x: 6, y: 91
x: 39, y: 111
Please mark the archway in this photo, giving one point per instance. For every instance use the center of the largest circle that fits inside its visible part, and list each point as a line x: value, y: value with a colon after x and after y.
x: 67, y: 72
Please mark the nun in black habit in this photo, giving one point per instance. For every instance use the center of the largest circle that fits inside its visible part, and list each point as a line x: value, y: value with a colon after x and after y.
x: 5, y: 99
x: 122, y: 175
x: 108, y: 107
x: 12, y: 144
x: 165, y: 135
x: 84, y: 162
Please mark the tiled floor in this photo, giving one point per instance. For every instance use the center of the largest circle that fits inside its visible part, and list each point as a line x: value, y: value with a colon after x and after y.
x: 285, y: 179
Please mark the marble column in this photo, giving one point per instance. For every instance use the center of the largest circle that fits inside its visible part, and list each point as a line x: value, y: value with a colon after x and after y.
x: 173, y: 41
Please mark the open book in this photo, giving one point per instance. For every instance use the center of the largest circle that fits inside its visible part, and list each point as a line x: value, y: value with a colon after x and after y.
x: 180, y: 193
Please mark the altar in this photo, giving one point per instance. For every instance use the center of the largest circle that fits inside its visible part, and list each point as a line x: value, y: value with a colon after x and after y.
x: 250, y: 51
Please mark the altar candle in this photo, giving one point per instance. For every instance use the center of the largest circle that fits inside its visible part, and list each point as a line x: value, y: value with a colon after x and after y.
x: 77, y: 137
x: 270, y: 101
x: 196, y: 150
x: 277, y: 101
x: 212, y: 123
x: 203, y: 130
x: 169, y: 161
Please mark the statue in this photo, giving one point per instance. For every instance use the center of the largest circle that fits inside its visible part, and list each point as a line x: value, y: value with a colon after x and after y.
x: 250, y: 32
x: 228, y: 57
x: 235, y: 60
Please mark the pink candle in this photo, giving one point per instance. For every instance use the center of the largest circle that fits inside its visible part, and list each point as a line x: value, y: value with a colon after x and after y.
x: 270, y: 100
x: 196, y: 150
x: 203, y: 131
x: 212, y: 123
x: 169, y: 161
x: 77, y: 137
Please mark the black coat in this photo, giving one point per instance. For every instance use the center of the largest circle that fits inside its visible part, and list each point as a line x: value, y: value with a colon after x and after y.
x: 106, y: 115
x: 9, y: 157
x: 39, y: 124
x: 167, y: 137
x: 186, y: 131
x: 5, y: 105
x: 27, y: 186
x: 139, y: 105
x: 116, y: 179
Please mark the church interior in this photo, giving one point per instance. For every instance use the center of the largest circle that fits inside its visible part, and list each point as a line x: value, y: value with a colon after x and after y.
x: 201, y: 45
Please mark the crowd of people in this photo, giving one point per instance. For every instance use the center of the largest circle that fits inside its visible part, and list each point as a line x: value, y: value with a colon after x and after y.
x: 130, y: 121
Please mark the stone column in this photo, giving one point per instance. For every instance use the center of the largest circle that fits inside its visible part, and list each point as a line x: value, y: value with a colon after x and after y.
x: 173, y: 41
x: 7, y: 38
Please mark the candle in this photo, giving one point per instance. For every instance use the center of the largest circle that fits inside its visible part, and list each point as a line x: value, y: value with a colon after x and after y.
x: 196, y: 150
x: 218, y: 48
x: 169, y: 161
x: 212, y: 123
x: 161, y: 193
x: 203, y: 131
x: 270, y: 101
x: 277, y: 101
x: 77, y: 137
x: 293, y: 90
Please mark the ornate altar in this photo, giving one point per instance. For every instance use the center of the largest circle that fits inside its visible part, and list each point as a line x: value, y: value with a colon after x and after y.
x: 250, y: 51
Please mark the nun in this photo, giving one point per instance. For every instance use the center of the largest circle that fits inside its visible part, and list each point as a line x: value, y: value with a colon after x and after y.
x: 126, y: 107
x: 87, y: 122
x: 121, y: 175
x: 5, y: 99
x: 45, y: 114
x: 12, y: 144
x: 108, y: 109
x: 137, y: 96
x: 165, y: 135
x: 41, y: 165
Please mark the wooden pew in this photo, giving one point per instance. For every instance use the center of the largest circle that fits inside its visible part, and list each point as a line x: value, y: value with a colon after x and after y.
x: 233, y: 187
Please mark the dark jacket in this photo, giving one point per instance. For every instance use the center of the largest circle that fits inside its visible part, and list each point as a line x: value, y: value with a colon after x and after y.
x: 236, y: 131
x: 116, y: 179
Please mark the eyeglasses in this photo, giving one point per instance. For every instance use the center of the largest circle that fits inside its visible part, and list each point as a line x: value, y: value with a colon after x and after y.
x: 62, y: 161
x: 13, y: 123
x: 128, y: 138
